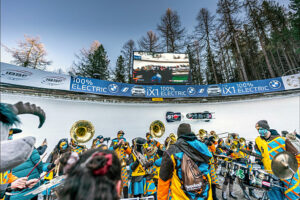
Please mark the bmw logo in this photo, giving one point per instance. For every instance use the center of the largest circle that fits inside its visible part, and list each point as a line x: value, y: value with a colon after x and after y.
x: 113, y: 88
x: 275, y: 84
x: 191, y: 91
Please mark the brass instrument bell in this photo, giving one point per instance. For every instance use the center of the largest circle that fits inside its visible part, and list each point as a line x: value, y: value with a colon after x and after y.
x: 157, y: 128
x: 171, y: 139
x: 234, y: 148
x: 202, y: 134
x: 82, y: 131
x: 242, y: 141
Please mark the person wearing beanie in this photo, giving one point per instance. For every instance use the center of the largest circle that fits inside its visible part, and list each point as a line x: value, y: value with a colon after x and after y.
x: 268, y: 144
x: 121, y: 148
x: 98, y: 142
x: 180, y: 183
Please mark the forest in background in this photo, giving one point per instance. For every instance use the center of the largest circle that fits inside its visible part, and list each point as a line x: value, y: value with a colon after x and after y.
x: 242, y: 41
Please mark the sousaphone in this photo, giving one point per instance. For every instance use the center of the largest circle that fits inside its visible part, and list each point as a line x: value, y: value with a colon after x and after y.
x: 157, y: 129
x: 82, y: 131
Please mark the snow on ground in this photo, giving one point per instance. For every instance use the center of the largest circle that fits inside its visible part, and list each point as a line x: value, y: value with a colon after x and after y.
x: 135, y: 119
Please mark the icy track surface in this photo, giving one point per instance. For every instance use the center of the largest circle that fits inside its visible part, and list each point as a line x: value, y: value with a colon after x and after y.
x: 240, y: 117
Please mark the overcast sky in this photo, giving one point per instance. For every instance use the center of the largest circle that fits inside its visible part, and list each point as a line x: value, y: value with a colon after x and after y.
x: 66, y: 26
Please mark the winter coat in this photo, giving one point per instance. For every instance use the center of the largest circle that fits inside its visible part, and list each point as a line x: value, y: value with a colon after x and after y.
x: 23, y: 169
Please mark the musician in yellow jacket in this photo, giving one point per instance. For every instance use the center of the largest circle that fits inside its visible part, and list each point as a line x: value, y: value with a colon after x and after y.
x: 268, y: 144
x: 122, y: 149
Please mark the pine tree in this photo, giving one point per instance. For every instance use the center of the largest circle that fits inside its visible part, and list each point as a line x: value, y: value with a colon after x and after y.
x: 93, y: 63
x: 281, y: 35
x: 119, y: 73
x: 171, y: 31
x: 295, y: 22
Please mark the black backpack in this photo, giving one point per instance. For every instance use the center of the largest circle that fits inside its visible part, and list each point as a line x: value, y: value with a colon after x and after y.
x: 193, y: 180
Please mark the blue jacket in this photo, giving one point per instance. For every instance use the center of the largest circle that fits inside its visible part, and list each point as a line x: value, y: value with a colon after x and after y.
x: 23, y: 169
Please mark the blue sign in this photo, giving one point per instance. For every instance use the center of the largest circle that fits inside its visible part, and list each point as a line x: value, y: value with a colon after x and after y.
x: 252, y: 87
x: 88, y: 85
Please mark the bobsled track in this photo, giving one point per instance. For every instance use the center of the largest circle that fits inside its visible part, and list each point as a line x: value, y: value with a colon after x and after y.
x: 108, y: 114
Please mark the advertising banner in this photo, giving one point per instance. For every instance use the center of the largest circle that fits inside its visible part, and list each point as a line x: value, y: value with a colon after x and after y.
x: 291, y: 82
x: 11, y: 74
x: 161, y: 68
x: 80, y: 84
x: 252, y: 87
x: 88, y: 85
x: 16, y: 75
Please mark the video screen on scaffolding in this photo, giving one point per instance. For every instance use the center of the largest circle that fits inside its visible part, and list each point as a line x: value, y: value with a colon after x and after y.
x: 161, y: 68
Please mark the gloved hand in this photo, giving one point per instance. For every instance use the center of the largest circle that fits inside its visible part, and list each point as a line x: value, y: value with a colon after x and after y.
x: 149, y: 164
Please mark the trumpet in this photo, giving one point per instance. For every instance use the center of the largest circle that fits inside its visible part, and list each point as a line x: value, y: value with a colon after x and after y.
x: 202, y: 134
x: 242, y: 141
x: 171, y: 139
x: 234, y: 148
x: 125, y: 144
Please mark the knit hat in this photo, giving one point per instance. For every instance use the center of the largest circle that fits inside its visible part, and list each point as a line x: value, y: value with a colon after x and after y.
x: 284, y: 133
x: 263, y: 124
x: 184, y: 129
x: 99, y: 137
x: 121, y: 132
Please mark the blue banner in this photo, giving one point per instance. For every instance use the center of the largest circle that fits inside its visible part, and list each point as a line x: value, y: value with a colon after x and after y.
x: 96, y: 86
x: 16, y: 75
x: 253, y: 87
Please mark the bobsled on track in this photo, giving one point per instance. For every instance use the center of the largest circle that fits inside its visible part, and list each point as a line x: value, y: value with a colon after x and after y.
x: 173, y: 117
x: 178, y: 116
x: 203, y: 116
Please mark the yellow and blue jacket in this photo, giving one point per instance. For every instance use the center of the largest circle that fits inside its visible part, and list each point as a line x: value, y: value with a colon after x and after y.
x: 170, y: 176
x: 268, y: 150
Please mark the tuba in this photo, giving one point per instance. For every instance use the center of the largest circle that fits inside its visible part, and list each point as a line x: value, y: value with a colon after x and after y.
x: 82, y: 131
x: 157, y: 129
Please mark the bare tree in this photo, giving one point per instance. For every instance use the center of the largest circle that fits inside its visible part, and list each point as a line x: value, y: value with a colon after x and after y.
x: 127, y: 52
x: 253, y: 12
x: 227, y: 9
x: 171, y: 31
x: 204, y: 30
x: 30, y: 53
x: 149, y: 42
